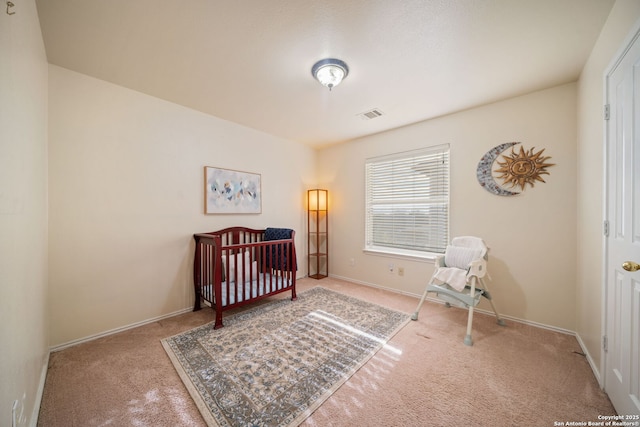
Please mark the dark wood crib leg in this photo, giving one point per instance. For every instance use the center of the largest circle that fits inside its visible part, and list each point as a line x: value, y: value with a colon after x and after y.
x: 218, y: 324
x: 197, y: 276
x: 196, y: 304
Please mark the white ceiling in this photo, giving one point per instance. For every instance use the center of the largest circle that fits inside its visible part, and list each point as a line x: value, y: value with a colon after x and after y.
x: 249, y: 61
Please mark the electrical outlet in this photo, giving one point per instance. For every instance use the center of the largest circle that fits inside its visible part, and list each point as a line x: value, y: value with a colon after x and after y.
x: 352, y: 262
x: 400, y: 271
x: 391, y: 268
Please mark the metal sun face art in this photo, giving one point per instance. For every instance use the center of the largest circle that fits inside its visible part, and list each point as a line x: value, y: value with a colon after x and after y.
x: 517, y: 169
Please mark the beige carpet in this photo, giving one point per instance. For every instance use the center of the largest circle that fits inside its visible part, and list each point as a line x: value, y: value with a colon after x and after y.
x: 425, y: 376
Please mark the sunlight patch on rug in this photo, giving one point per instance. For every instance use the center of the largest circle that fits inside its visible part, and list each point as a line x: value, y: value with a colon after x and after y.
x: 274, y: 364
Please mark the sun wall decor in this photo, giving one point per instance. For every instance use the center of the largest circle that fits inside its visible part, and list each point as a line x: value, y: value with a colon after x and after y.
x: 517, y: 169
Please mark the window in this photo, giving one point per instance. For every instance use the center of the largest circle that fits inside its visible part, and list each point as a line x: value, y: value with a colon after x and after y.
x: 407, y: 202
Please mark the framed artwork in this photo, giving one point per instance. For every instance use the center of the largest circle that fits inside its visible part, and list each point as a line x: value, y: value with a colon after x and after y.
x: 231, y: 192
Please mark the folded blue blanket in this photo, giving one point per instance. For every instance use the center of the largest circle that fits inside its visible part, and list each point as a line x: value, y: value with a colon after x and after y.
x: 277, y: 257
x: 271, y: 233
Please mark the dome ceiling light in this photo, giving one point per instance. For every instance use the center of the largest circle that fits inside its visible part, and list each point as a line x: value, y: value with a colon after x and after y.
x: 330, y: 72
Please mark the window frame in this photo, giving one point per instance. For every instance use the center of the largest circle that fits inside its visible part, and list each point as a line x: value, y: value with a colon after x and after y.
x: 424, y: 196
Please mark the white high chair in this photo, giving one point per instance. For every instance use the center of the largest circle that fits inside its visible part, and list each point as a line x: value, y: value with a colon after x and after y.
x: 458, y: 278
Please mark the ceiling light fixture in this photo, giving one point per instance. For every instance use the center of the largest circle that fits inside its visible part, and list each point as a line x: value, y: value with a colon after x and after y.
x: 330, y: 72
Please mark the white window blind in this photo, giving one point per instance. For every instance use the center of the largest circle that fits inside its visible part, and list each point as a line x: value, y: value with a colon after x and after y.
x: 407, y: 201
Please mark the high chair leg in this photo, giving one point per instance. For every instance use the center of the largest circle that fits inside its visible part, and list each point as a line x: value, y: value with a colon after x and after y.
x: 493, y: 307
x: 424, y: 296
x: 467, y: 338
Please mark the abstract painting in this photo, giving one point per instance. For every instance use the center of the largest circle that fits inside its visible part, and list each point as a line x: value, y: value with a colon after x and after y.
x: 231, y: 192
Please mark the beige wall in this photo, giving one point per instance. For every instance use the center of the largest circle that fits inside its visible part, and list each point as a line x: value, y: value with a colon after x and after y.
x: 532, y: 236
x: 24, y: 335
x: 623, y: 17
x: 126, y: 196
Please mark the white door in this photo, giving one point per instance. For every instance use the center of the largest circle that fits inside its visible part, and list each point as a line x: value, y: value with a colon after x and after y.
x: 622, y: 357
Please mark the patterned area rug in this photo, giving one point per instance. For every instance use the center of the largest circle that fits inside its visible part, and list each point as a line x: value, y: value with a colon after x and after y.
x: 275, y: 364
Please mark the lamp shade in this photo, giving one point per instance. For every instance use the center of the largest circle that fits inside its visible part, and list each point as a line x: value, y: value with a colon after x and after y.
x: 317, y: 199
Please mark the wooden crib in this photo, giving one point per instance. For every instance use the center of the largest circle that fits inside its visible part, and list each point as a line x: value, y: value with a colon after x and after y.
x: 236, y: 266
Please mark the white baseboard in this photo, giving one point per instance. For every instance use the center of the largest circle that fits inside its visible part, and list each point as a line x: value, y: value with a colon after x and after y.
x: 36, y: 405
x: 478, y: 310
x: 373, y: 285
x: 596, y: 371
x: 116, y: 330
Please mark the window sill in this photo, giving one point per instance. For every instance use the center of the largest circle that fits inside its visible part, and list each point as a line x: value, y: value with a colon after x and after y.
x: 403, y: 254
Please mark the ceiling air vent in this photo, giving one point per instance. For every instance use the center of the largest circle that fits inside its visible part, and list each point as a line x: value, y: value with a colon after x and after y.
x: 371, y: 114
